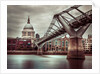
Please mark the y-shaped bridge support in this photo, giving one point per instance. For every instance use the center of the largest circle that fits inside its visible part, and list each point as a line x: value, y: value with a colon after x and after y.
x: 75, y: 27
x: 75, y: 49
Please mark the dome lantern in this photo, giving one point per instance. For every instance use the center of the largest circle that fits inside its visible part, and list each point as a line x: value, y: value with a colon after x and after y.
x: 28, y: 25
x: 28, y: 22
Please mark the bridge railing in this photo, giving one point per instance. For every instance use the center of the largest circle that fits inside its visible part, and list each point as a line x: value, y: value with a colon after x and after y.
x: 81, y: 16
x: 60, y: 31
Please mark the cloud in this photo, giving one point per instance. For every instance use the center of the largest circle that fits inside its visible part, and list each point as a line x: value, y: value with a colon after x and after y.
x: 40, y: 15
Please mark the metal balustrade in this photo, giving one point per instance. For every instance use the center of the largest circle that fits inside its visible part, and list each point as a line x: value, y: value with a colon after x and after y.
x: 76, y: 22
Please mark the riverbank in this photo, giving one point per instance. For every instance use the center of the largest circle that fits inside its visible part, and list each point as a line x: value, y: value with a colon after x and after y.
x: 41, y: 53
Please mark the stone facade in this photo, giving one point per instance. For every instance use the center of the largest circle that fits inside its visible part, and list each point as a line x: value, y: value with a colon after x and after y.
x: 59, y: 44
x: 18, y: 44
x: 87, y: 43
x: 28, y: 32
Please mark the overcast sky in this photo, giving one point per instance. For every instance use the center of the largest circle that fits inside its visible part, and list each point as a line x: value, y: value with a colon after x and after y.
x: 40, y: 18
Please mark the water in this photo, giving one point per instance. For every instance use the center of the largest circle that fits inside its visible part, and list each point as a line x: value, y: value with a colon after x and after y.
x: 47, y: 62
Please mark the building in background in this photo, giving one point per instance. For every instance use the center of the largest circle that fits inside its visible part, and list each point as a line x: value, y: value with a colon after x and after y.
x: 18, y: 44
x: 25, y: 42
x: 59, y: 44
x: 37, y: 37
x: 28, y: 32
x: 87, y: 44
x: 11, y: 43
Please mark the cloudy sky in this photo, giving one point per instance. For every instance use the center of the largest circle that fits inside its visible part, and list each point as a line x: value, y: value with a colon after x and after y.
x: 40, y: 18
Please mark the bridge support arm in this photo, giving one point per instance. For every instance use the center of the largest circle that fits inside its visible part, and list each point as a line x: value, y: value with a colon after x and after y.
x: 67, y: 28
x: 81, y: 31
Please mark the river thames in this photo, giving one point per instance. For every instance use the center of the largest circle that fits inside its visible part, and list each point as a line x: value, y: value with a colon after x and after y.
x: 47, y: 62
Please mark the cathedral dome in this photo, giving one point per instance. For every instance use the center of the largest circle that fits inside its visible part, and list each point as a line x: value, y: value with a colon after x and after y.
x: 28, y: 25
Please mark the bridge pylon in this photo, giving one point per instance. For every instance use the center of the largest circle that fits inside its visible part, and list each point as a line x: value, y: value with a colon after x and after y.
x: 75, y: 49
x: 75, y: 26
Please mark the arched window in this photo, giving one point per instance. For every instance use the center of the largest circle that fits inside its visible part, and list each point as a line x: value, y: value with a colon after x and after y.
x: 55, y: 42
x: 66, y: 43
x: 63, y: 43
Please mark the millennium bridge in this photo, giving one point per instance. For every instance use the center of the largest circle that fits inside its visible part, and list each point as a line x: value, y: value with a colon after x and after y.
x: 74, y: 26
